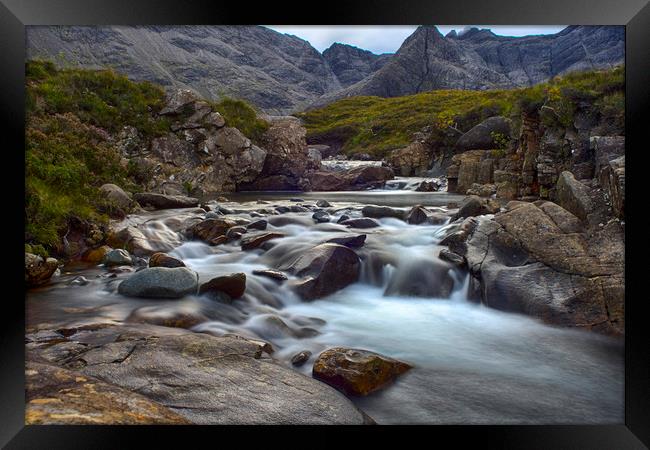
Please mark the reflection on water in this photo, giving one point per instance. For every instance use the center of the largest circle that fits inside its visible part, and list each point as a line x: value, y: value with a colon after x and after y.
x: 472, y: 364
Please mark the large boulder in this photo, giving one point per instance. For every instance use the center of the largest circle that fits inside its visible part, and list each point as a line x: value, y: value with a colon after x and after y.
x: 38, y: 270
x: 160, y: 282
x: 538, y: 261
x: 355, y: 371
x: 482, y: 135
x: 287, y: 158
x: 162, y: 201
x: 474, y: 205
x: 205, y: 379
x: 117, y: 196
x: 324, y: 269
x: 358, y: 178
x: 574, y: 196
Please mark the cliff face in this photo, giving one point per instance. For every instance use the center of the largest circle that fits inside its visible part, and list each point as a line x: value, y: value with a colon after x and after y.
x: 351, y: 64
x: 275, y: 72
x: 479, y: 59
x: 281, y: 74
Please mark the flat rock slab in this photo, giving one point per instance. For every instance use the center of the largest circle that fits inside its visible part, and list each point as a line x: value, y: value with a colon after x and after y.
x: 205, y: 379
x: 162, y: 201
x: 58, y: 396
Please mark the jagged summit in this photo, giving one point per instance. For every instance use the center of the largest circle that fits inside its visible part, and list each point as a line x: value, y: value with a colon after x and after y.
x: 281, y: 73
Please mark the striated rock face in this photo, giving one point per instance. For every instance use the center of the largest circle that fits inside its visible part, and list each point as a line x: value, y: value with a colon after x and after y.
x: 356, y: 372
x: 351, y: 64
x: 287, y: 158
x: 201, y: 378
x: 539, y: 260
x: 412, y: 160
x: 612, y: 178
x: 479, y: 59
x: 276, y: 72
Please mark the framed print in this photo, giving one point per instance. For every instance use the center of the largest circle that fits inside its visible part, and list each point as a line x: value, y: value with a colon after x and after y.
x: 237, y: 216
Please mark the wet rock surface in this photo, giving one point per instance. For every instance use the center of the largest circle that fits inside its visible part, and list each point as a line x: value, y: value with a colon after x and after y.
x: 174, y: 376
x: 356, y: 372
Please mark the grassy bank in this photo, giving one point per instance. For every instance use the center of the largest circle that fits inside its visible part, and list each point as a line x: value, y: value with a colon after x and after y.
x: 377, y: 125
x: 73, y: 117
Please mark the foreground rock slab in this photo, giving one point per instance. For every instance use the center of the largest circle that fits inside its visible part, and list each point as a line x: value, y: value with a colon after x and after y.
x: 356, y: 372
x: 205, y: 379
x: 57, y: 396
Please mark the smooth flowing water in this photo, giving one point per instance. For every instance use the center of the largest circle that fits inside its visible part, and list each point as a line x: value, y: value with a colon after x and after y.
x: 472, y: 364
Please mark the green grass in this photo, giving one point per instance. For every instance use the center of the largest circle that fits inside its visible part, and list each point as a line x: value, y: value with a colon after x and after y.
x: 377, y: 125
x: 241, y: 115
x: 70, y: 115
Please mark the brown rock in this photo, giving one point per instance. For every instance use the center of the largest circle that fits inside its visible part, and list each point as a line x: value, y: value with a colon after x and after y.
x: 270, y: 273
x: 210, y: 229
x: 38, y: 270
x: 164, y: 260
x: 96, y: 255
x: 234, y: 285
x: 251, y: 241
x: 356, y: 372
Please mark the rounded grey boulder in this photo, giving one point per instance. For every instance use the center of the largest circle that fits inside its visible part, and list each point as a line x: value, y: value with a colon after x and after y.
x: 160, y: 282
x: 118, y: 257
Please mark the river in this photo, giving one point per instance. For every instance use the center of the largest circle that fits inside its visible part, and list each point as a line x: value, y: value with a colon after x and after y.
x: 472, y: 364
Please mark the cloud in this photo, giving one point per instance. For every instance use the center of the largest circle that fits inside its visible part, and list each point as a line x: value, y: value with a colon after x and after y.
x: 388, y: 38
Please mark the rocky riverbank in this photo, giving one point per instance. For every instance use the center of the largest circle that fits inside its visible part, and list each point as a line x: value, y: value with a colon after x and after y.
x: 190, y: 310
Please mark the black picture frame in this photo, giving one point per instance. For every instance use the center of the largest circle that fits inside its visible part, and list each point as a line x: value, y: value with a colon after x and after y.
x: 634, y: 14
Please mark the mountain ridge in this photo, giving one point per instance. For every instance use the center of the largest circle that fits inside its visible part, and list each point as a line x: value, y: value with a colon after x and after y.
x: 283, y: 74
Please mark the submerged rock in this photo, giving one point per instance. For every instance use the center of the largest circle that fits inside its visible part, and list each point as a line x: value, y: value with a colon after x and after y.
x: 321, y: 217
x: 356, y: 372
x: 160, y: 282
x: 377, y: 212
x: 301, y: 358
x: 325, y: 269
x: 270, y: 273
x: 349, y: 241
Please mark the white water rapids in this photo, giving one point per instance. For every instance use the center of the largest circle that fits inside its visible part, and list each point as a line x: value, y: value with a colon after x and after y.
x: 472, y: 364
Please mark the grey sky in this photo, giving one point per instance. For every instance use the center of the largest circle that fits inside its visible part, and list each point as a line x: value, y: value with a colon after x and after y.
x: 388, y: 38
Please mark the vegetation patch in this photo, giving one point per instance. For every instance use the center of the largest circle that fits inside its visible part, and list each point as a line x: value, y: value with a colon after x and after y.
x: 378, y: 125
